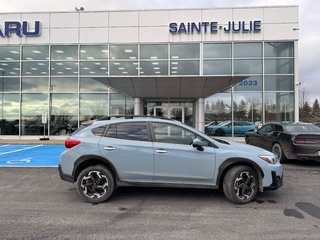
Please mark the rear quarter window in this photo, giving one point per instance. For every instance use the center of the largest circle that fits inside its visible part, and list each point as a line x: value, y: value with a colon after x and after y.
x: 99, y: 131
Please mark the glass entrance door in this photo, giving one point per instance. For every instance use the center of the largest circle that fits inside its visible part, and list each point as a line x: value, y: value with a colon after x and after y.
x: 172, y: 112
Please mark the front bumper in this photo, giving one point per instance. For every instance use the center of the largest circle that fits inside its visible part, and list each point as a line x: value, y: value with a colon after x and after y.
x: 277, y: 181
x: 64, y: 176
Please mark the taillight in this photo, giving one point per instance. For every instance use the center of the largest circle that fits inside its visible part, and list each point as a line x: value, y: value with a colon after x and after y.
x: 304, y: 142
x: 70, y: 143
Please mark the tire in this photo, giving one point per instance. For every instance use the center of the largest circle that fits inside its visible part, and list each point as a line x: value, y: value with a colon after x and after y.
x: 248, y: 141
x: 277, y: 150
x: 220, y: 132
x: 95, y: 184
x: 240, y: 184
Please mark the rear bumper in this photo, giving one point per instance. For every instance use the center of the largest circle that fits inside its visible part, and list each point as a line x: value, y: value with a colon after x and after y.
x: 277, y: 181
x: 64, y: 176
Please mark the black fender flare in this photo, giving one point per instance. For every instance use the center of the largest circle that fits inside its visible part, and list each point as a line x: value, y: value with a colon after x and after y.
x: 230, y: 162
x: 89, y: 160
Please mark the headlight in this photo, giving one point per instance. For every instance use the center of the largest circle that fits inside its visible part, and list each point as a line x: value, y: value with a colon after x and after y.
x: 269, y: 158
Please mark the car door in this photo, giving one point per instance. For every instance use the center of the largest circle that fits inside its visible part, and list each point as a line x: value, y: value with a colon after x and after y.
x: 129, y: 148
x: 263, y: 136
x: 176, y: 160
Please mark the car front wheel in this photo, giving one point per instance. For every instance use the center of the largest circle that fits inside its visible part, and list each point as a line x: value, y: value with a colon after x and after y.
x: 95, y: 184
x: 277, y: 150
x: 240, y: 184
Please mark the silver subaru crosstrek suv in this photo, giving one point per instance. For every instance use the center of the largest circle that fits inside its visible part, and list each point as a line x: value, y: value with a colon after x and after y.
x: 147, y: 151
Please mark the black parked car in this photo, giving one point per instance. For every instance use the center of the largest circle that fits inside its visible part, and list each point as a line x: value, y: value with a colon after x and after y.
x: 288, y: 140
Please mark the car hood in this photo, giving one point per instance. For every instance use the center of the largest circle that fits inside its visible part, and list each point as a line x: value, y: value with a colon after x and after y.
x: 246, y: 148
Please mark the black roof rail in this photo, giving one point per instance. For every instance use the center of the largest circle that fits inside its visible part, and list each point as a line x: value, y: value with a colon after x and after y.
x: 130, y: 117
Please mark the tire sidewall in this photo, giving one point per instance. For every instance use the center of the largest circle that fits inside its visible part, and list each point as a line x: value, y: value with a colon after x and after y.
x: 229, y: 181
x: 282, y: 157
x: 109, y: 177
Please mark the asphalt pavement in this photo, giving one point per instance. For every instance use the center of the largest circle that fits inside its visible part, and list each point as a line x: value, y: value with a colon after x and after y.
x: 36, y: 204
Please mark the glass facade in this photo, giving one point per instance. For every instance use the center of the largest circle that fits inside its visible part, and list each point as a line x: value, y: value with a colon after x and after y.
x: 68, y: 82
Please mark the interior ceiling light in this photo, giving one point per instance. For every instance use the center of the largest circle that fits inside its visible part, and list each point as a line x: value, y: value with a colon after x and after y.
x: 59, y: 51
x: 90, y: 58
x: 103, y: 68
x: 69, y: 58
x: 125, y: 72
x: 134, y: 63
x: 155, y: 63
x: 97, y: 63
x: 156, y: 68
x: 83, y: 51
x: 92, y: 72
x: 128, y: 50
x: 132, y: 57
x: 174, y: 67
x: 121, y: 68
x: 104, y: 50
x: 174, y: 63
x: 14, y: 52
x: 8, y: 58
x: 116, y: 63
x: 174, y: 72
x: 174, y: 57
x: 34, y: 68
x: 60, y: 72
x: 40, y: 64
x: 36, y: 51
x: 68, y: 68
x: 44, y: 72
x: 157, y: 72
x: 4, y: 64
x: 154, y: 57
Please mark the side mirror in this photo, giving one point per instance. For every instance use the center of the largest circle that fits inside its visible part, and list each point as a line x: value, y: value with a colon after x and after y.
x: 199, y: 144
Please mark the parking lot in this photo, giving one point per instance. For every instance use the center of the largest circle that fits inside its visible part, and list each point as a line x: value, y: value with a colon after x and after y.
x: 36, y: 204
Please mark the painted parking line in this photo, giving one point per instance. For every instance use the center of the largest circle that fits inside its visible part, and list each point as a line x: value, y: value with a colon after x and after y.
x: 30, y: 155
x: 18, y: 150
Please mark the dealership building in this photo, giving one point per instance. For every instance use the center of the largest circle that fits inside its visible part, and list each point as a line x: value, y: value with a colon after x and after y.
x: 193, y: 65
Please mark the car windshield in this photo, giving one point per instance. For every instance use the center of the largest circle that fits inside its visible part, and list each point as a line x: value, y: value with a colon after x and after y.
x: 223, y: 123
x: 302, y: 128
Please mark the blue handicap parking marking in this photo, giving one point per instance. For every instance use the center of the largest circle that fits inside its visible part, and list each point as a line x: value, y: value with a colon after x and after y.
x: 30, y: 155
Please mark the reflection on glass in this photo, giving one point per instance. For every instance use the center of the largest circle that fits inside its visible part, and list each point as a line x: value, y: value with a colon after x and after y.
x: 35, y: 68
x: 119, y: 104
x: 245, y: 50
x: 217, y: 50
x: 185, y: 67
x: 280, y: 49
x: 124, y: 52
x: 185, y: 51
x: 94, y: 52
x: 9, y: 53
x: 247, y: 66
x: 218, y: 108
x: 64, y: 115
x: 278, y: 66
x: 124, y: 68
x: 95, y: 84
x: 35, y: 84
x: 35, y: 52
x: 64, y: 84
x: 253, y: 83
x: 156, y: 67
x: 32, y: 108
x: 64, y: 52
x: 279, y: 106
x: 217, y: 67
x: 94, y: 68
x: 279, y: 83
x: 9, y: 68
x: 93, y: 106
x: 154, y: 51
x: 9, y: 84
x: 64, y: 68
x: 9, y: 110
x: 247, y: 106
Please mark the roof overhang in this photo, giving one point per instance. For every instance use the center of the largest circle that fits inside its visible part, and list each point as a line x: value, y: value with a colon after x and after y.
x: 171, y: 87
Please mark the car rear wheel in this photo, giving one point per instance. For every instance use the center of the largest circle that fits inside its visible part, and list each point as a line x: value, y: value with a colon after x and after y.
x: 95, y: 184
x: 220, y: 132
x: 277, y: 150
x: 240, y: 184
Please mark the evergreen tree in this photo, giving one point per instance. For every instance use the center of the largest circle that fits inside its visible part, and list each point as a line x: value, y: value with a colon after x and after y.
x: 316, y: 109
x: 305, y: 112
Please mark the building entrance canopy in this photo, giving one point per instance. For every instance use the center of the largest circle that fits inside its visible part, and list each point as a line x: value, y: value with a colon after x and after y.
x: 171, y: 87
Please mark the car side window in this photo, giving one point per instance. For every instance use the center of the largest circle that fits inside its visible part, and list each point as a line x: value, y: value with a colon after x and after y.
x: 98, y: 131
x: 278, y: 128
x: 168, y: 133
x: 266, y: 129
x: 129, y: 131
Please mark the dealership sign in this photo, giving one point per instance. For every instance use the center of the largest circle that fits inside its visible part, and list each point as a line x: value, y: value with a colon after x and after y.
x: 214, y: 27
x: 20, y: 29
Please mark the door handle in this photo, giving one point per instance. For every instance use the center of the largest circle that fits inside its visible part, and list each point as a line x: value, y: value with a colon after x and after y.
x: 109, y: 148
x: 161, y: 151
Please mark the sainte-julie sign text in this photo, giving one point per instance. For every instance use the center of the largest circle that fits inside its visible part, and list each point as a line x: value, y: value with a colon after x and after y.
x: 214, y: 27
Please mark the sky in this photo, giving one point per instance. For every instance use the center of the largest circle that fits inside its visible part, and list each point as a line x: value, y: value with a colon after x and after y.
x: 309, y: 21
